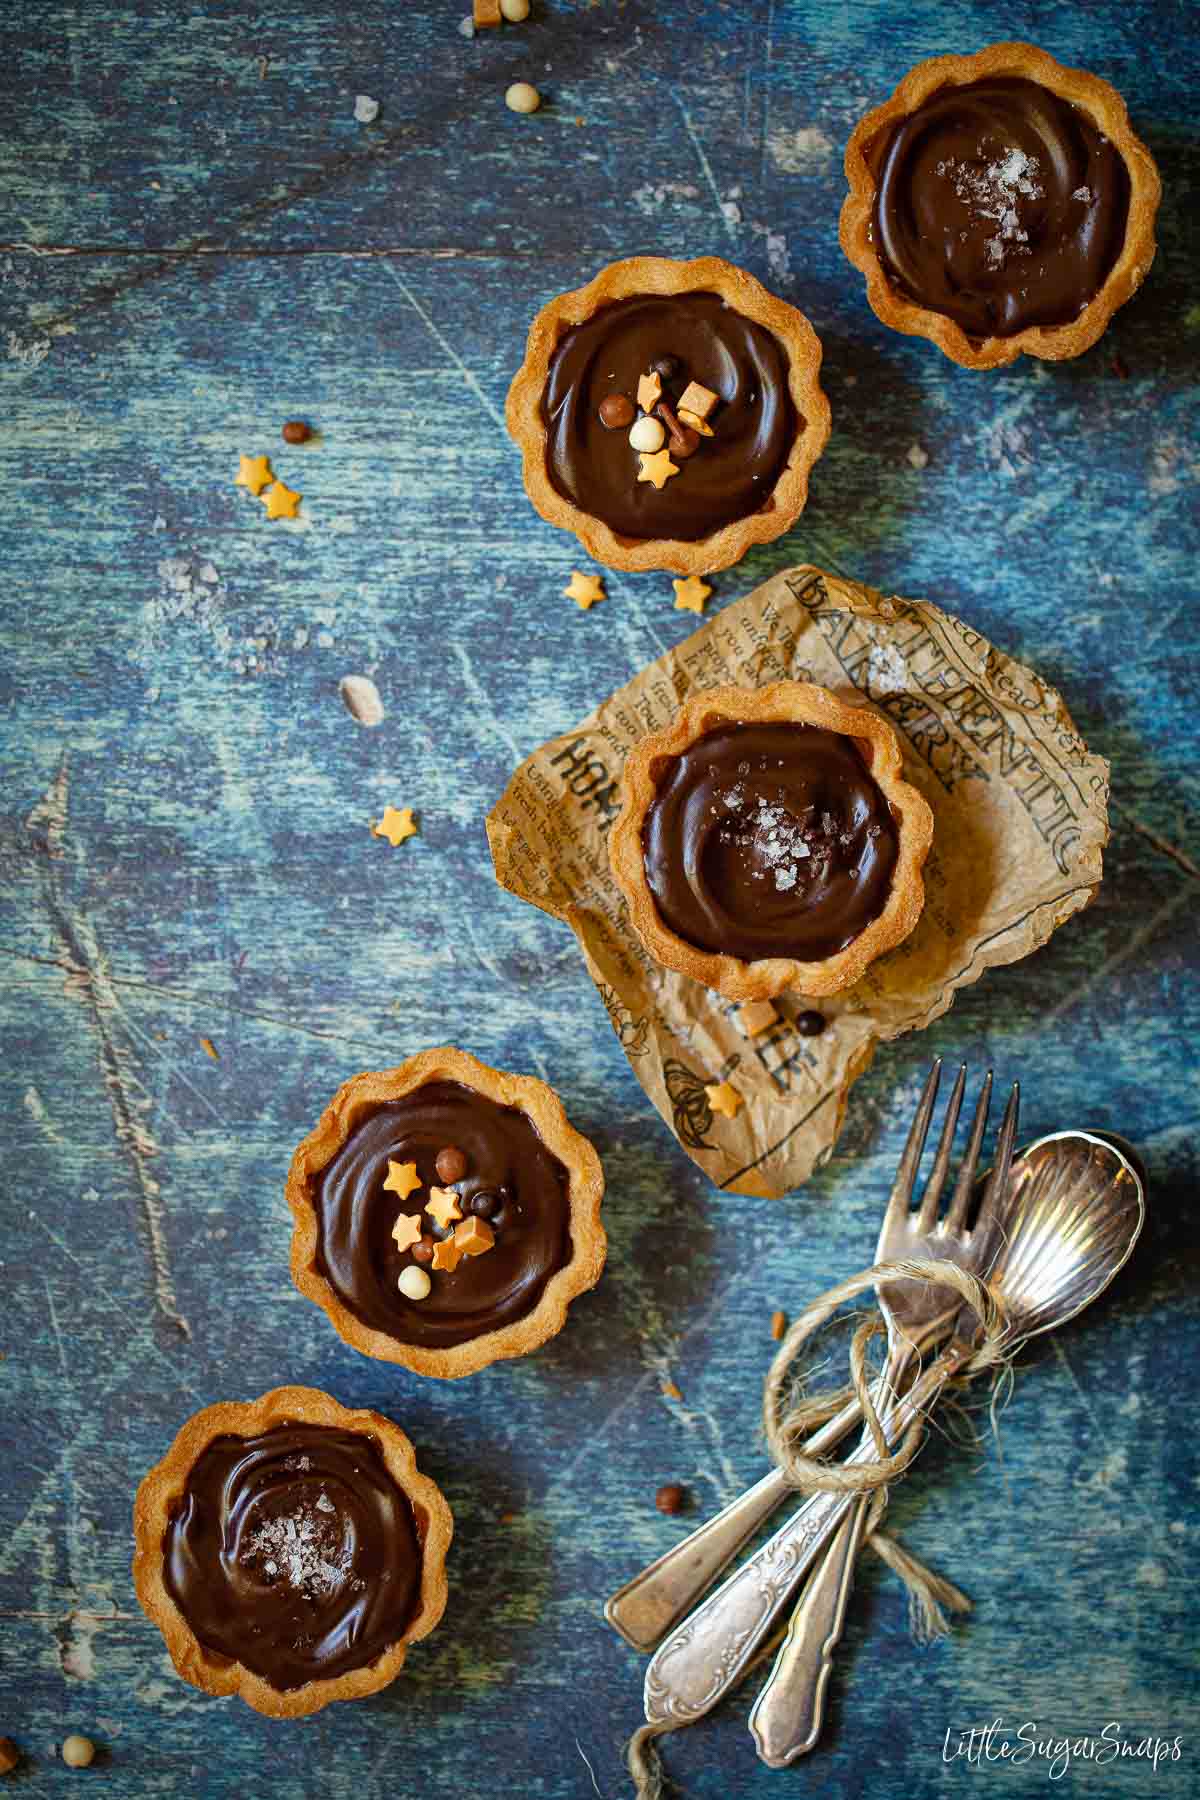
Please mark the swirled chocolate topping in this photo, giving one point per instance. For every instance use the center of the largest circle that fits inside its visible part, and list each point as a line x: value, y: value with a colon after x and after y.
x: 513, y: 1184
x: 730, y: 474
x: 999, y: 204
x: 294, y: 1552
x: 769, y: 840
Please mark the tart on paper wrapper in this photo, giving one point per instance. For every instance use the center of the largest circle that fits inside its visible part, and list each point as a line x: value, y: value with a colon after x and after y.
x: 792, y: 703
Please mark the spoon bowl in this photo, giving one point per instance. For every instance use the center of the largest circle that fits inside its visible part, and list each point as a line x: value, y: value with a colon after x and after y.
x: 1063, y: 1229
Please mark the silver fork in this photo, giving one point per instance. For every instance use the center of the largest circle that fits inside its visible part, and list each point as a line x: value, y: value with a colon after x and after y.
x: 654, y: 1600
x: 704, y: 1658
x: 787, y: 1716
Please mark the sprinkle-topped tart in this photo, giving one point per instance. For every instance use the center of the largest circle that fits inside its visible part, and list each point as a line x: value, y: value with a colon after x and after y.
x: 669, y: 413
x: 446, y: 1213
x: 767, y: 841
x: 290, y: 1551
x: 1000, y: 203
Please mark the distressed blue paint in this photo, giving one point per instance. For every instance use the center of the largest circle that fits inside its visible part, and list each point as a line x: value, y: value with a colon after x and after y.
x: 215, y: 877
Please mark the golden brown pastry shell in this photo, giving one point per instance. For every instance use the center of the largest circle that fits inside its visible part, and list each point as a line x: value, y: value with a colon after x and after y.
x: 361, y: 1096
x: 1103, y: 106
x: 165, y: 1484
x: 783, y: 702
x: 661, y: 275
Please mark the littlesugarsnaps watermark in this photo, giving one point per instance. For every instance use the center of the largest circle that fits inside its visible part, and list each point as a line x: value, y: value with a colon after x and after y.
x: 999, y: 1742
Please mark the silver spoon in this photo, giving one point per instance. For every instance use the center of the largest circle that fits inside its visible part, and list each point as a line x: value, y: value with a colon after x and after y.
x: 1072, y: 1214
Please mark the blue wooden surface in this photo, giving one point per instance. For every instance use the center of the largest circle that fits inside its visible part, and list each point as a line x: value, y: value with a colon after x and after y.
x: 201, y: 242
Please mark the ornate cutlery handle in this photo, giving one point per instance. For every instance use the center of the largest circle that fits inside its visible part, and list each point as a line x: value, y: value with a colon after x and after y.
x: 786, y: 1719
x: 707, y: 1655
x: 647, y: 1607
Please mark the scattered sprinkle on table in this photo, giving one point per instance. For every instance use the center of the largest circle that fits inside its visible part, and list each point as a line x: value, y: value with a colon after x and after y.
x: 723, y: 1098
x: 691, y: 594
x: 485, y: 12
x: 515, y: 11
x: 395, y: 825
x: 670, y: 1498
x: 254, y: 472
x: 585, y: 590
x: 209, y: 1048
x: 280, y: 501
x: 296, y: 432
x: 778, y: 1324
x: 10, y: 1756
x: 366, y: 110
x: 669, y: 1390
x: 754, y: 1016
x: 77, y: 1752
x: 522, y: 97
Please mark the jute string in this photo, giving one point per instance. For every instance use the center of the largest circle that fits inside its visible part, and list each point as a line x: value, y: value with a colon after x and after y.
x: 788, y: 1422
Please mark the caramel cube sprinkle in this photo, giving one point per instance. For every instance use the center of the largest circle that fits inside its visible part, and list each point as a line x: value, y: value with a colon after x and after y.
x: 474, y: 1236
x: 697, y: 399
x: 485, y: 12
x: 754, y: 1016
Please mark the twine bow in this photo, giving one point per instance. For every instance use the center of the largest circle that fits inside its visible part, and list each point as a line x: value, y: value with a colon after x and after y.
x: 787, y: 1424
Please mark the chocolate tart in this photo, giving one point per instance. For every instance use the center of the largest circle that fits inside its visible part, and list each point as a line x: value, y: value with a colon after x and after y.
x: 1000, y: 204
x: 767, y: 840
x: 741, y: 476
x: 502, y: 1236
x: 290, y: 1551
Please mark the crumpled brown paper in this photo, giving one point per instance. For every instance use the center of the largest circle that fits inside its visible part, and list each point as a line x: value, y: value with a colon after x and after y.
x: 1020, y: 821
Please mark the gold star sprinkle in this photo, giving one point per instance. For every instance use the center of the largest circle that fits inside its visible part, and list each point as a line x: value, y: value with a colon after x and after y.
x: 442, y: 1207
x: 407, y: 1230
x: 395, y: 826
x: 657, y: 467
x: 280, y: 501
x: 402, y: 1179
x: 723, y: 1098
x: 649, y: 391
x: 691, y: 594
x: 254, y: 472
x: 447, y: 1255
x: 585, y: 590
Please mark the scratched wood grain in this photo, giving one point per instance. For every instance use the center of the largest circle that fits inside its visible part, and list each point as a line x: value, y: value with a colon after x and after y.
x: 201, y: 242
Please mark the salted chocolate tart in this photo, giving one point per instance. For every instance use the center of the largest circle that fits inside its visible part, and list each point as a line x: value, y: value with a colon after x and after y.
x: 290, y: 1551
x: 767, y: 840
x: 668, y: 414
x: 1000, y: 203
x: 445, y: 1213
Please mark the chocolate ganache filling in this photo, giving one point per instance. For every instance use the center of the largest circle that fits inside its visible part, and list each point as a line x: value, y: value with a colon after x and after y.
x: 769, y: 840
x: 294, y: 1553
x: 999, y: 204
x: 730, y: 474
x: 512, y: 1181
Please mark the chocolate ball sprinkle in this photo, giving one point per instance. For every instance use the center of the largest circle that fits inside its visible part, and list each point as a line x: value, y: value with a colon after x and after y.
x: 683, y: 443
x: 485, y: 1204
x: 671, y: 1498
x: 665, y: 367
x: 811, y: 1024
x: 616, y: 411
x: 422, y: 1250
x: 450, y: 1163
x: 296, y: 432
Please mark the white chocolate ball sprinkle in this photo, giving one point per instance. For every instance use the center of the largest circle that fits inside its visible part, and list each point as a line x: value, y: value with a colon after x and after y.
x: 522, y: 97
x: 515, y: 11
x: 77, y: 1752
x: 414, y: 1283
x: 648, y: 434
